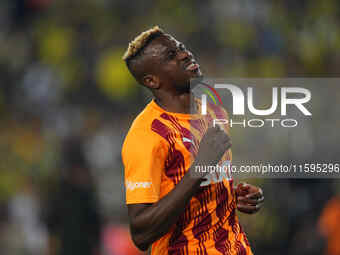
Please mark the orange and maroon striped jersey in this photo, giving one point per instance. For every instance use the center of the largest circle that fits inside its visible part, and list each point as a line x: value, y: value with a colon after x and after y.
x: 157, y: 152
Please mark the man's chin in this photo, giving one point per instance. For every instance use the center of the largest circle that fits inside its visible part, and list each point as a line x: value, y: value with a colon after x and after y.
x: 195, y: 81
x: 190, y: 81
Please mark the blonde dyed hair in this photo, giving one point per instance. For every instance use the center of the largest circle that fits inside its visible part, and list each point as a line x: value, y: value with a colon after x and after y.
x: 140, y: 41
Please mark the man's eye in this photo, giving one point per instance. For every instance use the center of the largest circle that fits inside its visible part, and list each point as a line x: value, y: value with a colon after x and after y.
x: 181, y: 46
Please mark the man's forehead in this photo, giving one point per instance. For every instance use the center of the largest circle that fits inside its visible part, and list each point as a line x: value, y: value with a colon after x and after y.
x: 160, y: 45
x: 170, y: 39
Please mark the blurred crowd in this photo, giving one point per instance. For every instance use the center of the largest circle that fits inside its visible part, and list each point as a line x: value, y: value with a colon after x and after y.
x: 67, y: 100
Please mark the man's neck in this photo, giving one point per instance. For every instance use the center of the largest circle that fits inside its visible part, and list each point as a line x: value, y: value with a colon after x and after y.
x: 175, y: 103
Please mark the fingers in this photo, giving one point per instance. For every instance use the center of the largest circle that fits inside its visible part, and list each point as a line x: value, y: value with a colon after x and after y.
x: 217, y: 135
x: 226, y: 140
x: 255, y: 195
x: 213, y: 146
x: 218, y: 130
x: 242, y: 189
x: 243, y: 186
x: 249, y: 201
x: 229, y: 144
x: 249, y: 191
x: 250, y: 209
x: 220, y: 138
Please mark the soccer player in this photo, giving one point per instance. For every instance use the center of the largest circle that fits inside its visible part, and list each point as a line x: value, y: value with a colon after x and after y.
x: 169, y: 207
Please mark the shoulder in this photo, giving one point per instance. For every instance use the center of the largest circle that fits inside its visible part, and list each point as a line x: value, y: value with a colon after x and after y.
x: 144, y: 123
x: 141, y: 133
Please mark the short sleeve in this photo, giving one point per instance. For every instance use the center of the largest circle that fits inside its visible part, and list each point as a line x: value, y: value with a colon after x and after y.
x: 144, y: 155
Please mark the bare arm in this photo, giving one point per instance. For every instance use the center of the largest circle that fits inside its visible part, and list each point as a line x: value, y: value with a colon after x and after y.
x: 149, y: 222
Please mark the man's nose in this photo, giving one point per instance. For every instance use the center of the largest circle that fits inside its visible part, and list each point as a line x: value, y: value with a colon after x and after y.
x: 184, y: 54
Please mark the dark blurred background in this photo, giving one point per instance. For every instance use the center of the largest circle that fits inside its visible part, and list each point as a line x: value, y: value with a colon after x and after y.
x: 67, y: 100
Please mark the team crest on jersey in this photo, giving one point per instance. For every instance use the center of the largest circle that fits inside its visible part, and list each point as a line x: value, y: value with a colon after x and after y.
x: 217, y: 173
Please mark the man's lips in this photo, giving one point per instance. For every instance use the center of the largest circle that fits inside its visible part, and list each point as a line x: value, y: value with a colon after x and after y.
x: 192, y: 66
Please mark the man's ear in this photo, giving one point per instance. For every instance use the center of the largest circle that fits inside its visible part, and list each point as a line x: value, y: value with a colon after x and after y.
x: 151, y: 81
